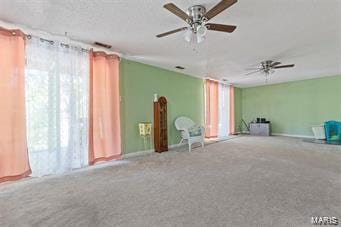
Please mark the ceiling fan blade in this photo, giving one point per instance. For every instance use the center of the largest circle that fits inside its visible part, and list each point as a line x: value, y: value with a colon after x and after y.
x: 284, y: 66
x: 176, y: 10
x: 253, y: 72
x: 221, y: 6
x: 221, y: 27
x: 171, y: 32
x: 275, y: 64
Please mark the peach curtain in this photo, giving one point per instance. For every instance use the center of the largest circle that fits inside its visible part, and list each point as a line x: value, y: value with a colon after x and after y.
x: 104, y: 108
x: 232, y: 119
x: 13, y: 145
x: 211, y: 109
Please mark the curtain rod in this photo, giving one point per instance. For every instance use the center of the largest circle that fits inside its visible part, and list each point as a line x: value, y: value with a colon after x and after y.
x: 217, y: 80
x: 72, y: 46
x: 26, y: 32
x: 61, y: 43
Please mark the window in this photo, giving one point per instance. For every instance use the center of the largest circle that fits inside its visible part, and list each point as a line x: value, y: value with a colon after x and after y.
x: 56, y: 106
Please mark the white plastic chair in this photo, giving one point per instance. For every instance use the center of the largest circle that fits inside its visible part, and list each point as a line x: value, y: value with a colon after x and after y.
x: 189, y: 132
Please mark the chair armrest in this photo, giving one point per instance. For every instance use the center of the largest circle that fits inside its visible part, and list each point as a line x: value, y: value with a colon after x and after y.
x: 202, y: 131
x: 185, y: 130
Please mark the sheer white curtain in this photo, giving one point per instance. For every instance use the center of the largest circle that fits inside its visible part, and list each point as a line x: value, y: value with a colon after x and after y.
x: 57, y: 78
x: 223, y: 99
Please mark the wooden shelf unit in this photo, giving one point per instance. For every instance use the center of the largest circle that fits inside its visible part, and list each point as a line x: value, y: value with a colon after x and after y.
x: 160, y: 125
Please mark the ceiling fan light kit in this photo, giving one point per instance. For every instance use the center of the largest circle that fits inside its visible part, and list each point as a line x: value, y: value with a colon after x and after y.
x: 188, y: 35
x: 197, y: 17
x: 201, y: 30
x: 192, y: 37
x: 200, y: 38
x: 268, y: 67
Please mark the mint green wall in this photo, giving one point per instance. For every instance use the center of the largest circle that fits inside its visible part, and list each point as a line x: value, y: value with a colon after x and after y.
x: 138, y: 83
x: 293, y: 107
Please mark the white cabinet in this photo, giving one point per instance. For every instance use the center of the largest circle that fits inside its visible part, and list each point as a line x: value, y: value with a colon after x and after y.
x: 260, y: 129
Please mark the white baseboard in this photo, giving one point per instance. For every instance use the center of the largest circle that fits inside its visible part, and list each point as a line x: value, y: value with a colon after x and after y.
x: 137, y: 153
x: 285, y: 134
x: 245, y: 132
x: 293, y: 135
x: 144, y: 152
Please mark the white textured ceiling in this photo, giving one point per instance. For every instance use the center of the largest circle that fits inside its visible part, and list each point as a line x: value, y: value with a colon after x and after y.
x: 304, y: 32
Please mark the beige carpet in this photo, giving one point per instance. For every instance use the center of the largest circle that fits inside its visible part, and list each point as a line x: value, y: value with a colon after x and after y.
x: 246, y: 181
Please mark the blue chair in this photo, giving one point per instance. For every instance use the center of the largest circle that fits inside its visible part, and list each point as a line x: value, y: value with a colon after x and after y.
x: 333, y: 130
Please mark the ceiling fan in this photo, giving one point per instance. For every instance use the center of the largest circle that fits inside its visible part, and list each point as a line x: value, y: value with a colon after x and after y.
x: 196, y: 17
x: 268, y: 67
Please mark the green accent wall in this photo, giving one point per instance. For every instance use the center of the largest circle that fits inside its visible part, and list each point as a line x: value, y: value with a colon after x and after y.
x: 293, y: 107
x: 138, y: 84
